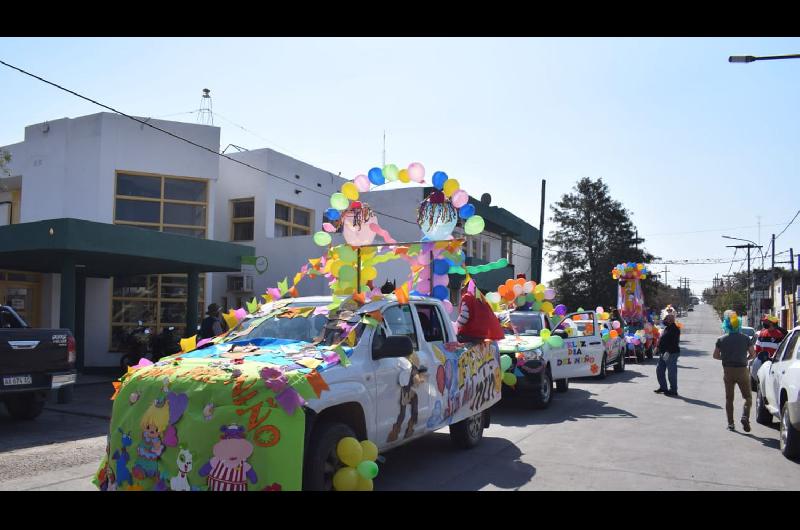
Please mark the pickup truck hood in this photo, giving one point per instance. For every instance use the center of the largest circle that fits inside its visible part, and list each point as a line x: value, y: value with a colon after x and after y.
x: 237, y: 407
x: 512, y: 344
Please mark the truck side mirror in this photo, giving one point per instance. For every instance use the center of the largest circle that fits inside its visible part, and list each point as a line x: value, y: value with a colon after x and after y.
x: 394, y: 346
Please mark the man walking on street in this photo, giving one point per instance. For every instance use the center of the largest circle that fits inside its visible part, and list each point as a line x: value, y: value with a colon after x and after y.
x: 670, y: 351
x: 734, y: 349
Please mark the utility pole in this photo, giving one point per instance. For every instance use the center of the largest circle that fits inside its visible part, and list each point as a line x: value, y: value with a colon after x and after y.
x: 748, y: 247
x: 540, y: 250
x: 794, y: 289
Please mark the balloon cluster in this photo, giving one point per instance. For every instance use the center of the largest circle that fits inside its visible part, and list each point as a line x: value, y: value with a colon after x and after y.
x: 522, y: 293
x: 630, y: 271
x: 360, y: 467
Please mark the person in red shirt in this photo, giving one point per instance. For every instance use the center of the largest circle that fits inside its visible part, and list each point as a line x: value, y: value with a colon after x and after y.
x: 476, y: 321
x: 768, y: 338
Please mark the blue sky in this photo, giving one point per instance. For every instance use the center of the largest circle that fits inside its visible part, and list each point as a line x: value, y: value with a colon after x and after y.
x: 687, y: 141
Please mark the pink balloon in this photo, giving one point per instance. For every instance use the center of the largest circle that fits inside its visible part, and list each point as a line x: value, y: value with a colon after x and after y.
x: 441, y: 279
x: 615, y: 324
x: 459, y: 198
x: 328, y: 227
x: 549, y: 294
x: 362, y: 183
x: 416, y: 172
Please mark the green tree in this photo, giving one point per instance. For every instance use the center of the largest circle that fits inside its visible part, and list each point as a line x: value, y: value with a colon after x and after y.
x: 5, y: 159
x: 594, y: 233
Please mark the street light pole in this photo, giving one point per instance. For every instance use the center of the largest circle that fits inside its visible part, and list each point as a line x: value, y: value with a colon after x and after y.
x: 749, y: 245
x: 750, y: 58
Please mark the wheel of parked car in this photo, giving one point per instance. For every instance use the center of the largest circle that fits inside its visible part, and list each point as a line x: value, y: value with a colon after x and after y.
x: 468, y: 433
x: 24, y: 406
x: 790, y: 438
x: 754, y: 384
x: 321, y: 461
x: 619, y: 366
x: 763, y: 416
x: 544, y: 394
x: 602, y: 374
x: 562, y: 385
x: 649, y: 353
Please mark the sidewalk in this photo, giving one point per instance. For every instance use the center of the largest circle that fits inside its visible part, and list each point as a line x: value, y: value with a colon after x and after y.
x: 91, y: 397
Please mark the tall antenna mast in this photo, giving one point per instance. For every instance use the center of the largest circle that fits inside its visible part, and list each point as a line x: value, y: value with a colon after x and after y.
x: 205, y: 114
x: 384, y: 148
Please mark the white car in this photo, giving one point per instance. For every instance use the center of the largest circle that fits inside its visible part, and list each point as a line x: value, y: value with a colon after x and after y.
x: 778, y: 388
x: 583, y: 354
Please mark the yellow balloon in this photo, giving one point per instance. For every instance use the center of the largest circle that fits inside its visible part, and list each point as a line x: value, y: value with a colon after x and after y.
x: 544, y: 334
x: 547, y: 307
x: 364, y: 484
x: 403, y: 176
x: 538, y: 296
x: 349, y: 451
x: 368, y: 449
x: 450, y: 187
x: 335, y: 266
x: 350, y: 191
x: 346, y: 479
x: 539, y: 288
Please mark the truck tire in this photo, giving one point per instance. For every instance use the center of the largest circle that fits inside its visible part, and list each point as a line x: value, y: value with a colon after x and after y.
x: 790, y: 438
x: 619, y: 366
x: 468, y: 433
x: 763, y: 416
x: 602, y: 374
x: 64, y: 394
x: 24, y: 406
x: 562, y: 385
x: 543, y: 394
x: 321, y: 461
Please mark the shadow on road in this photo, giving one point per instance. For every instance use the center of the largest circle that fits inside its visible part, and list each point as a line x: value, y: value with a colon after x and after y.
x: 515, y: 413
x: 698, y: 402
x: 625, y: 377
x: 772, y: 443
x: 433, y: 463
x: 49, y: 428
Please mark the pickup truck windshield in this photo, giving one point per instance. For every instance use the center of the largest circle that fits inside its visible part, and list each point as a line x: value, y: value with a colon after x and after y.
x: 301, y: 327
x: 525, y: 324
x: 8, y: 319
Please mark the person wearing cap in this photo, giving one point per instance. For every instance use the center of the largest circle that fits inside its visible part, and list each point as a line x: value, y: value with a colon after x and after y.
x: 768, y: 338
x: 734, y: 350
x: 212, y: 325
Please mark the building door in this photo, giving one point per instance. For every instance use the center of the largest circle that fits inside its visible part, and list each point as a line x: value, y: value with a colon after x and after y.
x: 20, y: 291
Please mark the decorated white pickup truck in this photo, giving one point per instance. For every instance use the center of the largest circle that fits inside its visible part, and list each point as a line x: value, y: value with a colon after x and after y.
x: 542, y: 352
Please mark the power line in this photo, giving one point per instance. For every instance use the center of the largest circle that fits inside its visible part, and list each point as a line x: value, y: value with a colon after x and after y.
x: 707, y: 230
x: 790, y: 224
x: 254, y: 134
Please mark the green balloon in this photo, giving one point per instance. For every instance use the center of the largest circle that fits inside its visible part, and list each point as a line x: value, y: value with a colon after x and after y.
x: 367, y: 469
x: 502, y: 263
x: 339, y: 201
x: 537, y: 306
x: 505, y: 362
x: 509, y: 379
x: 555, y: 341
x: 472, y: 269
x: 390, y: 172
x: 520, y: 300
x: 322, y: 239
x: 346, y: 253
x: 474, y: 225
x: 530, y: 298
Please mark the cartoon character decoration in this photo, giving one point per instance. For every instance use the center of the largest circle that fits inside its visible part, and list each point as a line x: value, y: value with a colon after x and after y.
x: 122, y: 458
x: 630, y: 299
x: 436, y: 217
x: 228, y: 469
x: 180, y: 482
x: 410, y: 379
x: 158, y: 432
x: 357, y: 223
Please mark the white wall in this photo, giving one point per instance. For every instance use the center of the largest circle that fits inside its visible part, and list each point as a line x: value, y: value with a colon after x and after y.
x: 69, y: 171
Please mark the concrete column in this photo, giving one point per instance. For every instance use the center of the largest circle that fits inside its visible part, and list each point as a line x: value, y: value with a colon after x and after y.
x: 80, y: 318
x: 68, y: 289
x: 192, y: 299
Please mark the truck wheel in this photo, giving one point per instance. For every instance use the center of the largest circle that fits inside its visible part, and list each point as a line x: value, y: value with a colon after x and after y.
x: 24, y: 406
x: 763, y: 416
x: 543, y: 394
x: 602, y: 374
x: 321, y: 461
x: 467, y: 433
x: 619, y: 367
x: 562, y: 385
x: 650, y: 353
x: 790, y: 438
x: 65, y: 394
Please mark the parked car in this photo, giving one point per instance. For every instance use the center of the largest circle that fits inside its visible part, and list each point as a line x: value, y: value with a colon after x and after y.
x: 33, y: 362
x: 383, y: 371
x: 583, y: 354
x: 778, y: 389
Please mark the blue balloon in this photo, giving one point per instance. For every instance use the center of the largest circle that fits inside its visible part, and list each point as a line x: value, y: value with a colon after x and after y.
x: 466, y: 211
x: 439, y: 178
x: 332, y: 214
x: 376, y: 176
x: 440, y: 266
x: 441, y: 292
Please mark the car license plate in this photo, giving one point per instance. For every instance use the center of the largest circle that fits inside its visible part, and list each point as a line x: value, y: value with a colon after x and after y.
x: 17, y: 380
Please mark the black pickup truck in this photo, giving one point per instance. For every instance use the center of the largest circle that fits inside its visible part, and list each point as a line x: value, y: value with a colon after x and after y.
x: 33, y: 362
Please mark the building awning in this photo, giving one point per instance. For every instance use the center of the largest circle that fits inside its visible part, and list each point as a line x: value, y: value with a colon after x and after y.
x: 104, y: 250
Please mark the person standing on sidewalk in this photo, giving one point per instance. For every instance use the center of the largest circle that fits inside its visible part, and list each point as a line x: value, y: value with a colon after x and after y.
x: 670, y: 351
x: 734, y: 350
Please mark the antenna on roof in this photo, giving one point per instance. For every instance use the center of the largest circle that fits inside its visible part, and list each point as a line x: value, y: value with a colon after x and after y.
x: 205, y: 114
x: 384, y: 149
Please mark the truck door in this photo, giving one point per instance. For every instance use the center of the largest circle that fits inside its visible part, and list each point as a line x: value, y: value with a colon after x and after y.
x: 433, y: 335
x: 582, y: 352
x: 399, y: 381
x: 781, y: 362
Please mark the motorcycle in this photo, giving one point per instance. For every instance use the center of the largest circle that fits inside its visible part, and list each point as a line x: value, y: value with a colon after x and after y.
x: 140, y: 343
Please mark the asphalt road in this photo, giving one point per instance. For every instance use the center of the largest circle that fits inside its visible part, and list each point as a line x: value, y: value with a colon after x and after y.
x: 614, y: 434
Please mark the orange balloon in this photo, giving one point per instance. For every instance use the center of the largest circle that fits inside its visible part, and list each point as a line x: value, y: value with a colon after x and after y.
x: 509, y: 295
x: 509, y: 284
x: 520, y: 281
x: 613, y: 333
x: 502, y: 290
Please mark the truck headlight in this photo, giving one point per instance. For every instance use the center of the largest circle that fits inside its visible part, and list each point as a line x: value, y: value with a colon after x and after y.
x: 533, y: 355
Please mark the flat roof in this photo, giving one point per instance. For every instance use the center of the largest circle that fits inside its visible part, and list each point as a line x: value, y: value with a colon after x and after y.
x: 104, y: 250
